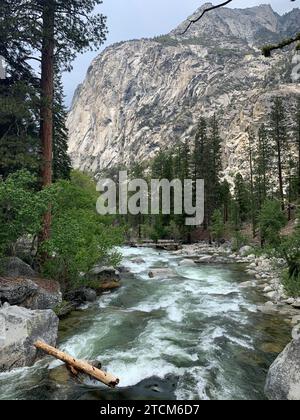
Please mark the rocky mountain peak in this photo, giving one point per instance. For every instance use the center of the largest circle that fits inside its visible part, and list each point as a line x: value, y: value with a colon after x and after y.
x: 226, y: 22
x: 140, y: 96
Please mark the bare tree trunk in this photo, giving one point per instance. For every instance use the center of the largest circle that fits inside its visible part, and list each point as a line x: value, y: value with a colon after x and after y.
x: 47, y: 94
x: 78, y: 366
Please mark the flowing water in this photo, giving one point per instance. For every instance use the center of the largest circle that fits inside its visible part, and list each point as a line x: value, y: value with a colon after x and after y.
x: 193, y: 335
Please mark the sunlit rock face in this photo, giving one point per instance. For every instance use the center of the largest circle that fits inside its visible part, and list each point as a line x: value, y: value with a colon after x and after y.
x: 140, y: 96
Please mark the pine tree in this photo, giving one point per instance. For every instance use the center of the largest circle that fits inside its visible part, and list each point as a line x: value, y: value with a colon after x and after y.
x: 200, y: 149
x: 19, y: 137
x: 263, y: 158
x: 252, y: 196
x: 61, y: 160
x: 225, y: 199
x: 53, y: 32
x: 279, y: 136
x: 207, y: 164
x: 242, y: 200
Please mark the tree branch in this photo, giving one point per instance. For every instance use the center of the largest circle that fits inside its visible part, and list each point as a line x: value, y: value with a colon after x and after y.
x: 209, y: 9
x: 267, y: 50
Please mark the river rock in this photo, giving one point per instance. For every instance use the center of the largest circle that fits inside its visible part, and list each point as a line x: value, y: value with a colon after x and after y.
x: 104, y: 279
x: 290, y: 301
x: 47, y: 296
x: 14, y: 267
x: 19, y: 329
x: 268, y: 308
x: 283, y: 380
x: 80, y: 296
x: 245, y: 251
x: 272, y: 295
x: 247, y: 284
x: 205, y: 260
x: 296, y: 304
x: 187, y: 263
x: 161, y: 273
x: 296, y: 320
x: 138, y: 261
x: 16, y: 291
x: 35, y: 293
x: 104, y: 273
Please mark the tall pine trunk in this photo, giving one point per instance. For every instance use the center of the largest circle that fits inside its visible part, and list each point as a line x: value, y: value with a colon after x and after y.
x: 47, y: 94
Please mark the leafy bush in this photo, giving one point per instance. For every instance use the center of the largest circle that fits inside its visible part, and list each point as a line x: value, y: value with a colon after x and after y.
x: 289, y: 250
x: 80, y: 238
x: 291, y: 284
x: 21, y: 209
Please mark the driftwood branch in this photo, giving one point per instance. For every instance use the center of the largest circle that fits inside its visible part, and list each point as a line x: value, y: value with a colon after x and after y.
x: 209, y: 9
x: 79, y: 366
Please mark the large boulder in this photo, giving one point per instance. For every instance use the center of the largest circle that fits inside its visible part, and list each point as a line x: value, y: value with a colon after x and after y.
x: 35, y: 293
x: 16, y: 291
x: 283, y: 380
x: 104, y: 273
x: 245, y: 251
x: 14, y: 267
x: 81, y: 296
x: 20, y: 328
x: 104, y: 279
x: 47, y: 296
x: 187, y: 263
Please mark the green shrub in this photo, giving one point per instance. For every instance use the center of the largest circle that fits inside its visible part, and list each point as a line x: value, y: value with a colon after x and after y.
x: 80, y: 238
x: 291, y: 284
x: 21, y: 209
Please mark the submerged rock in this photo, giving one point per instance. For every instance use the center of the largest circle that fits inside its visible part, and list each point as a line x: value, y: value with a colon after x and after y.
x: 283, y: 380
x: 19, y: 329
x: 161, y: 273
x: 138, y: 261
x: 187, y: 263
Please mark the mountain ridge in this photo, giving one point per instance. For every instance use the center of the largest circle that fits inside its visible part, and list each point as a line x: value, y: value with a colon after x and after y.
x: 142, y: 95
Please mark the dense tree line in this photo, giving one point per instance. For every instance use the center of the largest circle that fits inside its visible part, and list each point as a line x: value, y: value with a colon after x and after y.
x: 272, y: 176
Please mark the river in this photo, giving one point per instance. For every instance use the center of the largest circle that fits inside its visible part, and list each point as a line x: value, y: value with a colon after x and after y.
x: 195, y: 335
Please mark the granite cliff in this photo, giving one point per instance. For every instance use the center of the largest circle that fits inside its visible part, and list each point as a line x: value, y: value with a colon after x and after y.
x: 143, y: 95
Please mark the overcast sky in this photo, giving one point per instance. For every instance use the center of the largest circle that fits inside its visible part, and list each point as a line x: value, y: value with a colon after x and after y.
x: 131, y: 19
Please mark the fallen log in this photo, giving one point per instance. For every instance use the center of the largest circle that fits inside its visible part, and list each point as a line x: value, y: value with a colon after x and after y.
x: 79, y: 366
